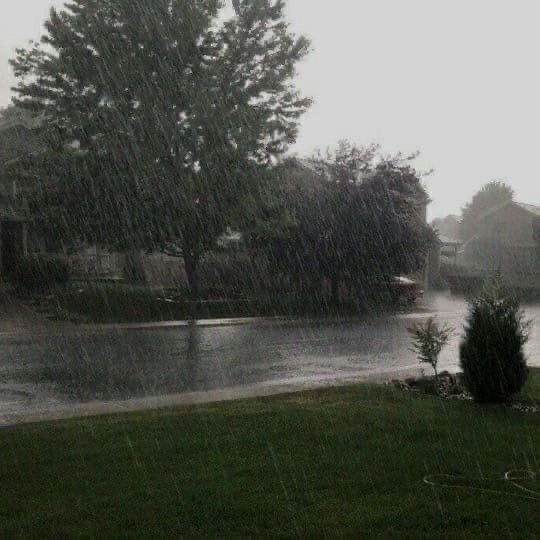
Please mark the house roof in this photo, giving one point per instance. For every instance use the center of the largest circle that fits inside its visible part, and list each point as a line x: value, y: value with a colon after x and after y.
x: 446, y: 240
x: 530, y: 208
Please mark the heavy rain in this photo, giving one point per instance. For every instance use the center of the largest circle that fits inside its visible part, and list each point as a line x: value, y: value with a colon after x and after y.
x: 265, y: 271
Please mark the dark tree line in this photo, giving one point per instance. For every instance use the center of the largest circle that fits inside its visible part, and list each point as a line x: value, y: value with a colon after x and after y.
x: 488, y: 197
x: 347, y: 217
x: 176, y: 114
x: 164, y: 123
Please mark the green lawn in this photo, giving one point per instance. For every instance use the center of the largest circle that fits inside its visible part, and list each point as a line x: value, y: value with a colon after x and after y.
x: 337, y: 462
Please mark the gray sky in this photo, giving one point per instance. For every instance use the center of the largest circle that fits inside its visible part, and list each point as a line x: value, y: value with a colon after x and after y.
x: 456, y: 79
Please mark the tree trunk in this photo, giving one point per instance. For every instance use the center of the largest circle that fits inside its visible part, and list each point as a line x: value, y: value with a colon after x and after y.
x: 133, y: 267
x: 335, y: 290
x: 436, y: 379
x: 191, y: 264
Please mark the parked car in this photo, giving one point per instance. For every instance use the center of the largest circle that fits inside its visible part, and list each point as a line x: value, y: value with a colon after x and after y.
x: 405, y: 290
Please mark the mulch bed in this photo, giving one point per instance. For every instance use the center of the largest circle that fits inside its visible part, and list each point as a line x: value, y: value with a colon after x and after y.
x: 450, y: 387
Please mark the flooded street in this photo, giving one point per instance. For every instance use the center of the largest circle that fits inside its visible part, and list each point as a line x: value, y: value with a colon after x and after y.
x: 53, y: 369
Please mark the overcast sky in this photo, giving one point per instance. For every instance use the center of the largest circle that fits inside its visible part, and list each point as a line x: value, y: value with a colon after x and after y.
x: 458, y: 80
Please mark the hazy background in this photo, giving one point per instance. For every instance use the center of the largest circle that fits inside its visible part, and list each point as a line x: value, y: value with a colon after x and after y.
x: 456, y: 79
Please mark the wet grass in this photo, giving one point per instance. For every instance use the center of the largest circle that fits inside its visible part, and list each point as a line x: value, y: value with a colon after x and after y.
x: 338, y: 462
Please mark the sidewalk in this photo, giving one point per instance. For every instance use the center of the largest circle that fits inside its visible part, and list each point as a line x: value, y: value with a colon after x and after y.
x: 101, y: 408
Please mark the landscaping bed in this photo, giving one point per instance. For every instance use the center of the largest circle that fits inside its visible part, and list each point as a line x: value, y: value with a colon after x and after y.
x: 356, y: 461
x: 450, y: 386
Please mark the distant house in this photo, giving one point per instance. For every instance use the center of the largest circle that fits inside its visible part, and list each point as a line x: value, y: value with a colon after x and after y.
x: 13, y: 236
x: 449, y: 249
x: 449, y: 243
x: 20, y: 236
x: 445, y: 251
x: 507, y: 241
x: 230, y: 240
x: 19, y: 138
x: 16, y: 141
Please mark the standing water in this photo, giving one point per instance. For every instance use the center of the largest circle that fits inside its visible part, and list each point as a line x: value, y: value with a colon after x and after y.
x: 53, y: 368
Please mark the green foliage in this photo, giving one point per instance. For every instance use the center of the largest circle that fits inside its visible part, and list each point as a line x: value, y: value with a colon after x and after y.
x: 490, y: 196
x: 229, y: 276
x: 177, y: 112
x: 429, y: 339
x: 347, y: 217
x: 491, y: 353
x: 116, y: 303
x: 338, y: 462
x: 113, y: 303
x: 39, y: 273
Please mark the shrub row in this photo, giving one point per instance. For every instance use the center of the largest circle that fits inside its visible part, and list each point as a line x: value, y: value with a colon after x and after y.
x: 39, y: 273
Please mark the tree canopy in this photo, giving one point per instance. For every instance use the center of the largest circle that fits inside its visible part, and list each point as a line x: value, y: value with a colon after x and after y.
x: 176, y: 112
x: 490, y: 196
x: 352, y: 217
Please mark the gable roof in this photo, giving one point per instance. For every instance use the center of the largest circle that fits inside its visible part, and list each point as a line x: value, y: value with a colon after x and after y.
x: 529, y: 208
x: 448, y: 241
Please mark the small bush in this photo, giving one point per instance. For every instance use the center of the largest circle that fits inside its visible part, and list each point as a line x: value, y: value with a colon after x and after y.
x: 39, y: 273
x: 429, y: 340
x: 491, y: 353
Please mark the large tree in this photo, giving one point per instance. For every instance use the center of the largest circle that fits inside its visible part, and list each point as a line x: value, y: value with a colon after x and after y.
x: 352, y: 217
x: 491, y: 195
x: 177, y: 113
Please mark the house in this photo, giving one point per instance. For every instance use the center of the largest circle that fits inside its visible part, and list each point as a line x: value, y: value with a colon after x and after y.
x: 16, y: 140
x: 449, y: 243
x: 449, y: 249
x: 19, y: 138
x: 507, y: 241
x: 13, y: 237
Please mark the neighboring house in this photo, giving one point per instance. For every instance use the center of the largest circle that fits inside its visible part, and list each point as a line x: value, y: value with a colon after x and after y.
x: 16, y: 141
x: 507, y: 241
x: 13, y: 236
x: 444, y: 254
x: 449, y: 249
x: 448, y: 230
x: 18, y: 237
